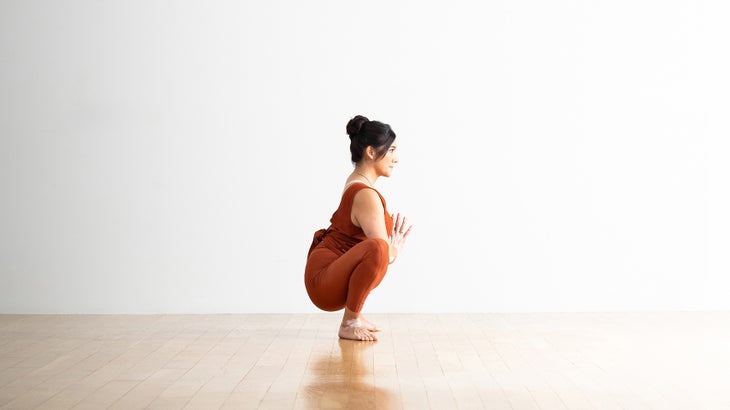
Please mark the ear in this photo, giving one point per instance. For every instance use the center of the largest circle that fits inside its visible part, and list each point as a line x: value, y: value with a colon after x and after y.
x: 370, y: 152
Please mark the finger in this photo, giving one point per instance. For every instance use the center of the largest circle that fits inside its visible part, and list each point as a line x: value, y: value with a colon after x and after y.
x: 408, y: 232
x: 398, y: 221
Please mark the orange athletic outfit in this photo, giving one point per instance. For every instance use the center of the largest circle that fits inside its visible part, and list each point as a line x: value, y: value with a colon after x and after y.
x: 344, y: 265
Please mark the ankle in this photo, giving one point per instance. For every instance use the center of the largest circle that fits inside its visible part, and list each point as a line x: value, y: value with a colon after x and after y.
x: 350, y: 315
x: 352, y: 323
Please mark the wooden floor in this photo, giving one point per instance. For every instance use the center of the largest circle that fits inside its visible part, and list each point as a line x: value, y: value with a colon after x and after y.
x: 484, y: 361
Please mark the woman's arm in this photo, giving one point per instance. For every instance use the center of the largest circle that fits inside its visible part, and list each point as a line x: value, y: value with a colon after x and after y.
x: 368, y: 214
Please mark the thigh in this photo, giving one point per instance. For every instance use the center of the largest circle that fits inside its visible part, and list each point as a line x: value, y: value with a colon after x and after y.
x: 328, y: 275
x: 339, y: 270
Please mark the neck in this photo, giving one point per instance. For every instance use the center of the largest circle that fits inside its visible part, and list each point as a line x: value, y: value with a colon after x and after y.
x: 370, y: 177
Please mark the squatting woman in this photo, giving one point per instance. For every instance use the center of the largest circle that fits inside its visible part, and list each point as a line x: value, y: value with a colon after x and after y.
x: 350, y: 258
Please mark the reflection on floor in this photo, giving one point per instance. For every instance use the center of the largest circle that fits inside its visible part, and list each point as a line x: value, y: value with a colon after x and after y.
x: 441, y: 361
x: 346, y: 381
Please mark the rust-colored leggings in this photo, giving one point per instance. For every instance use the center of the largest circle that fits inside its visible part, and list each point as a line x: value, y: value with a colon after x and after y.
x: 334, y: 282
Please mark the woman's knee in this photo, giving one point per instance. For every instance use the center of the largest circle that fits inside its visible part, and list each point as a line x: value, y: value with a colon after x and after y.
x: 379, y: 249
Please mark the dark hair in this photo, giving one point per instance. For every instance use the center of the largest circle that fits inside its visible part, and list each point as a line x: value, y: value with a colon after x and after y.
x: 364, y: 133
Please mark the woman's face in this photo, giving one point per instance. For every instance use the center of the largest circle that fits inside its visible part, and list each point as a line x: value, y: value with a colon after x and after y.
x: 384, y: 166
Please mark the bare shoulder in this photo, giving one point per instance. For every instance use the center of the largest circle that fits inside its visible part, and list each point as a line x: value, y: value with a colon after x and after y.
x: 367, y: 198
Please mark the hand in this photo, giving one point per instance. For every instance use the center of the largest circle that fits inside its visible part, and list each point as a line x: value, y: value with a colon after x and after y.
x: 400, y: 233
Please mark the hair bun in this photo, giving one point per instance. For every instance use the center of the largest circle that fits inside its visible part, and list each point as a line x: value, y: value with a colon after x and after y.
x: 355, y: 124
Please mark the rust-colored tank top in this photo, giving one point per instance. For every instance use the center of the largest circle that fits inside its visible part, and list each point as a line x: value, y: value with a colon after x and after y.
x: 342, y: 233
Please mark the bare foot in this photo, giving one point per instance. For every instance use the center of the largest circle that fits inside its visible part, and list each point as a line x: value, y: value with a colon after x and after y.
x: 354, y: 329
x: 369, y: 325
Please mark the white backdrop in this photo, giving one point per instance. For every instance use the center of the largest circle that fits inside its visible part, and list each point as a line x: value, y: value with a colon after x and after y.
x: 176, y: 156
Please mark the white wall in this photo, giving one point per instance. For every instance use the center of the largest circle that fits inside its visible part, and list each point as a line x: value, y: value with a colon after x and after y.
x: 177, y: 156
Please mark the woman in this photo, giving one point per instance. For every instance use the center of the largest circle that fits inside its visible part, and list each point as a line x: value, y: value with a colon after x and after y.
x: 349, y: 259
